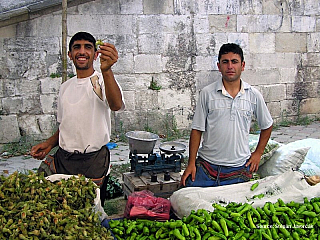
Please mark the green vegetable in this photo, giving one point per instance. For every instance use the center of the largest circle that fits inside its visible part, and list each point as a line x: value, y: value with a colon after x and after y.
x: 276, y: 221
x: 224, y: 227
x: 254, y: 186
x: 98, y: 43
x: 33, y: 207
x: 178, y: 235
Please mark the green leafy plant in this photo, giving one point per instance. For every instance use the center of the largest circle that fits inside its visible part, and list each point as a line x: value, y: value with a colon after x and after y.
x: 114, y: 188
x: 55, y: 75
x: 154, y: 85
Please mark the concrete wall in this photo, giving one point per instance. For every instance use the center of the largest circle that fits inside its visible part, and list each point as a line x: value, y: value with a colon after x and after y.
x: 172, y: 42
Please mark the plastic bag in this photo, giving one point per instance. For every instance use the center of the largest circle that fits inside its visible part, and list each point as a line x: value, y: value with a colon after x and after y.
x: 144, y: 204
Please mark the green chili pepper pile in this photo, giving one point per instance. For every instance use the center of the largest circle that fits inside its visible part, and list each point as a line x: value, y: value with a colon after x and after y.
x: 234, y: 221
x: 32, y: 207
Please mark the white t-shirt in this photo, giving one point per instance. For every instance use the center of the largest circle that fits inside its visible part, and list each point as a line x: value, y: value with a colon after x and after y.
x: 85, y: 119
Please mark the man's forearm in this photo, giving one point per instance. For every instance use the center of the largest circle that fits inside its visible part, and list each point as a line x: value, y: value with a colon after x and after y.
x: 263, y: 140
x: 112, y: 90
x: 194, y: 143
x: 54, y: 139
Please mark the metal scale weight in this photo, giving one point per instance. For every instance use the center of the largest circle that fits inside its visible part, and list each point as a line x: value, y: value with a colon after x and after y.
x: 158, y: 172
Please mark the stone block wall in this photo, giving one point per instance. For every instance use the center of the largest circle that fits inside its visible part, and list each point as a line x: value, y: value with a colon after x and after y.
x: 171, y: 42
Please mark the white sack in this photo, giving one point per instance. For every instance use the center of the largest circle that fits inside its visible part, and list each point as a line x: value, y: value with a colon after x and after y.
x: 289, y: 186
x: 285, y: 158
x: 311, y: 164
x: 97, y: 202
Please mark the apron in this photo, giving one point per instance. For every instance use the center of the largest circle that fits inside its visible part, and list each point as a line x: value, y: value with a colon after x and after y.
x: 94, y: 165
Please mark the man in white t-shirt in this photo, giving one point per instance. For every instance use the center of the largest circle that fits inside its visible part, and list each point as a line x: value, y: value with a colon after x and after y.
x: 219, y: 152
x: 84, y: 107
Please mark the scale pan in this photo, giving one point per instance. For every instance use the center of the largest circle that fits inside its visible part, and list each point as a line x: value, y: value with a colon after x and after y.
x: 172, y: 147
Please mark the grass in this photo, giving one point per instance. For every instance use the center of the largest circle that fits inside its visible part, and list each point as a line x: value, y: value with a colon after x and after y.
x: 118, y: 169
x: 114, y: 207
x: 22, y: 147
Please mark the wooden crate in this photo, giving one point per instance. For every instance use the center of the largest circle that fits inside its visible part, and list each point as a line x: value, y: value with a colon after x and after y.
x: 160, y: 188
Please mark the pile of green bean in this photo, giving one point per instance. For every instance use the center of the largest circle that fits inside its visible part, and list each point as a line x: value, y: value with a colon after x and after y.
x: 32, y: 207
x: 233, y: 221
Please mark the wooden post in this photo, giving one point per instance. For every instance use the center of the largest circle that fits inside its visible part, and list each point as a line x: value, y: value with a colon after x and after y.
x: 64, y: 40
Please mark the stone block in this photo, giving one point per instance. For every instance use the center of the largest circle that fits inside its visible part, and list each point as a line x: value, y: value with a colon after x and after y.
x: 150, y: 43
x: 147, y: 99
x: 222, y: 23
x: 18, y: 105
x: 129, y: 98
x: 303, y: 23
x: 131, y: 7
x: 181, y: 80
x: 204, y: 64
x: 174, y: 63
x: 219, y: 7
x: 2, y: 92
x: 124, y: 65
x: 310, y: 105
x: 251, y: 7
x: 201, y: 24
x: 12, y: 105
x: 298, y: 42
x: 313, y: 43
x: 205, y: 78
x: 127, y: 82
x: 261, y: 76
x: 158, y: 7
x: 163, y: 79
x: 311, y: 74
x: 271, y: 7
x: 108, y: 24
x: 310, y: 59
x: 41, y: 25
x: 148, y: 24
x: 288, y: 75
x: 311, y: 7
x: 7, y: 32
x: 277, y: 60
x: 242, y: 39
x: 9, y: 130
x: 272, y: 93
x: 38, y: 126
x: 50, y: 85
x: 209, y: 44
x: 290, y: 88
x: 145, y: 63
x: 49, y: 103
x: 318, y: 25
x: 263, y: 23
x: 183, y: 7
x: 288, y: 108
x: 171, y: 99
x: 274, y: 109
x: 262, y: 42
x: 305, y: 89
x: 25, y: 87
x: 99, y: 8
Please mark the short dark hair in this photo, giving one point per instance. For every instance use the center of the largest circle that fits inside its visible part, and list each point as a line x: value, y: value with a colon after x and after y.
x: 82, y: 36
x: 230, y: 47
